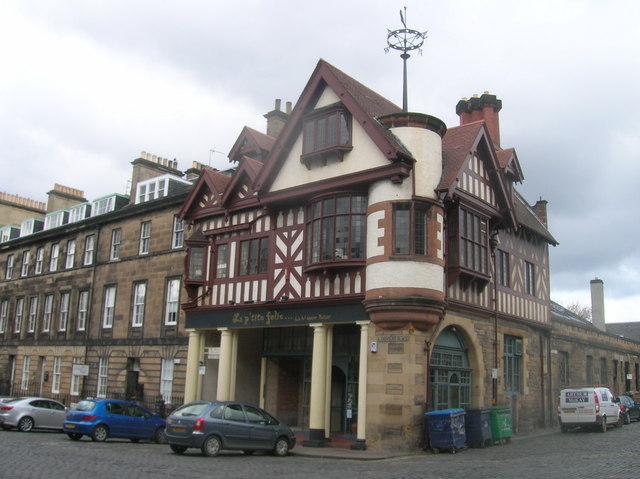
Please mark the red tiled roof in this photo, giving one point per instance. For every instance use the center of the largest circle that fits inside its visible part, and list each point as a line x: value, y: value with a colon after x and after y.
x: 457, y: 143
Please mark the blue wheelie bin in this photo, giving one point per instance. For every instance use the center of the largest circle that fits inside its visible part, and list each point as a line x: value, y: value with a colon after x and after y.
x: 446, y: 430
x: 477, y: 423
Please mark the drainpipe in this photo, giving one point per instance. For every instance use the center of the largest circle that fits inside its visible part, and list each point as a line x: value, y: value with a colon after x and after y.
x: 494, y: 374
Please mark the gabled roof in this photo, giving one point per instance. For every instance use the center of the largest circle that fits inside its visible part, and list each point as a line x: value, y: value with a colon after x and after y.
x: 529, y: 219
x: 364, y: 104
x: 457, y: 144
x: 559, y: 312
x: 509, y: 163
x: 251, y: 143
x: 211, y: 182
x: 245, y: 176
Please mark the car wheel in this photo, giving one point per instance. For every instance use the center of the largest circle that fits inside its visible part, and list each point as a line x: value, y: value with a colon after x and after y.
x: 25, y: 424
x: 74, y: 436
x: 177, y: 449
x: 100, y: 433
x: 211, y: 446
x: 159, y: 437
x: 627, y: 419
x: 564, y: 428
x: 281, y: 448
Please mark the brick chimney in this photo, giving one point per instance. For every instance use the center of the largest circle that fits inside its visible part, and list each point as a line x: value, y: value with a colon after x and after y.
x: 276, y: 119
x: 485, y: 107
x: 540, y: 209
x: 149, y: 166
x: 63, y: 197
x: 597, y: 304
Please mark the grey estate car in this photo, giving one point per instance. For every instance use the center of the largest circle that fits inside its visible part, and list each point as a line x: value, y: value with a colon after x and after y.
x: 213, y: 426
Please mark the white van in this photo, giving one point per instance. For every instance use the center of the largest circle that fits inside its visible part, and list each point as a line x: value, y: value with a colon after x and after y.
x: 588, y: 407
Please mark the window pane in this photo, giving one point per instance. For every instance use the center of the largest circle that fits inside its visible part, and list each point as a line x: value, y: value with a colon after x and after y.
x: 342, y: 237
x: 327, y: 238
x: 196, y: 259
x: 401, y: 228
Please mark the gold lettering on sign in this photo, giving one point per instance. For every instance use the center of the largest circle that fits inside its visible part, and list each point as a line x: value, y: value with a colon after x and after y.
x: 269, y: 318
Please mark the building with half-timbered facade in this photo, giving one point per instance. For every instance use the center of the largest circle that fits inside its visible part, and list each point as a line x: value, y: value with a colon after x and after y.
x: 364, y: 265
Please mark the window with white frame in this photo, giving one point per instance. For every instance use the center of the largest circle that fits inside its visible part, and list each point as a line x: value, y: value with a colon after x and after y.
x: 103, y: 376
x: 55, y: 255
x: 33, y: 313
x: 173, y: 298
x: 177, y: 240
x: 4, y: 315
x: 55, y: 382
x: 103, y: 205
x: 83, y: 306
x: 39, y: 260
x: 71, y: 254
x: 89, y: 248
x: 137, y: 312
x: 116, y: 239
x: 78, y: 212
x: 63, y: 317
x: 19, y: 314
x: 47, y: 313
x: 109, y: 306
x: 26, y: 366
x: 145, y: 237
x: 166, y: 379
x: 55, y: 219
x: 75, y: 378
x: 26, y: 256
x: 8, y: 272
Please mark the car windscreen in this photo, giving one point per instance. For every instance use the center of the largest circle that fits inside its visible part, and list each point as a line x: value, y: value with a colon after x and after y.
x: 85, y: 406
x: 191, y: 409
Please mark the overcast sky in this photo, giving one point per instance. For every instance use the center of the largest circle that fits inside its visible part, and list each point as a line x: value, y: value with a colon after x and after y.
x: 85, y: 85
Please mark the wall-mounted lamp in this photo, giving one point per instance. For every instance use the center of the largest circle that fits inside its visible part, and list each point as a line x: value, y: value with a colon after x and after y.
x: 232, y: 302
x: 284, y: 297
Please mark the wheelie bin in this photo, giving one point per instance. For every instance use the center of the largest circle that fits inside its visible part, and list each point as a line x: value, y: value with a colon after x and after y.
x: 501, y: 431
x: 446, y: 430
x: 477, y: 423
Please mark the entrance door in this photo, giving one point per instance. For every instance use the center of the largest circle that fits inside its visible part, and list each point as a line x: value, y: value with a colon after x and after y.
x: 338, y: 383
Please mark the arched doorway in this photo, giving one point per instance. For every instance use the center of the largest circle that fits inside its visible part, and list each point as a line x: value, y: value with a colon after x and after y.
x: 450, y: 378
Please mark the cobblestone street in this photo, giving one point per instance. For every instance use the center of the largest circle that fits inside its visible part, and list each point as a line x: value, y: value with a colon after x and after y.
x: 552, y: 454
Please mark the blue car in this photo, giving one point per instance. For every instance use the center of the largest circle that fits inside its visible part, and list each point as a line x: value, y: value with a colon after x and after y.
x: 103, y: 418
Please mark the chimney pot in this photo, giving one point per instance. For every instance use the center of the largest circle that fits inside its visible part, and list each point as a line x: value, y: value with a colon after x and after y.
x: 278, y: 102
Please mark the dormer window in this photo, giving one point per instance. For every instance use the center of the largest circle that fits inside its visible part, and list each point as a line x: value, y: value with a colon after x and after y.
x: 326, y: 134
x: 55, y: 219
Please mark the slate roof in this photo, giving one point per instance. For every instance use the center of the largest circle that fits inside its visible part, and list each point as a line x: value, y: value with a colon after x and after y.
x: 527, y: 218
x: 630, y: 330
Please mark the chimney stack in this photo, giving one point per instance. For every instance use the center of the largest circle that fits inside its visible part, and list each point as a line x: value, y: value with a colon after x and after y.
x: 540, y: 209
x: 276, y: 119
x: 597, y: 304
x: 485, y: 107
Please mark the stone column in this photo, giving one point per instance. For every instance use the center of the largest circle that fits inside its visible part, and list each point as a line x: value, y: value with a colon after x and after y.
x: 329, y: 372
x: 317, y: 407
x: 225, y: 365
x: 362, y: 387
x: 193, y: 363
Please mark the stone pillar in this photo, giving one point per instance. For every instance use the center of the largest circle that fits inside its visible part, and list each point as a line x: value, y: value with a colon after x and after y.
x: 193, y: 363
x: 234, y: 365
x: 362, y: 387
x: 225, y: 365
x: 317, y: 407
x: 329, y: 372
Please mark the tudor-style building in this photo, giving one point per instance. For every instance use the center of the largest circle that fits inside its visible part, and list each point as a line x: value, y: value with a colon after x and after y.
x: 368, y: 265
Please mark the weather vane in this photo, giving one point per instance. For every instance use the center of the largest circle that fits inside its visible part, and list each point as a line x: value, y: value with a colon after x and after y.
x: 405, y: 40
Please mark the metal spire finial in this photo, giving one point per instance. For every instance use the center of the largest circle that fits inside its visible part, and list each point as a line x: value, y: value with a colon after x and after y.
x: 405, y: 40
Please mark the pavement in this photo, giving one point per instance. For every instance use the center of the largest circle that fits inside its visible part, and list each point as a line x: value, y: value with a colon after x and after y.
x: 340, y: 449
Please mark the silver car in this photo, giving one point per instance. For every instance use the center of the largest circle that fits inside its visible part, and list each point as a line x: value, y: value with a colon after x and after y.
x: 32, y: 412
x: 213, y: 426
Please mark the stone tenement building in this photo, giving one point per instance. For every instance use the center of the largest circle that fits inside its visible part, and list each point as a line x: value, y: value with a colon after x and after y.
x: 90, y: 293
